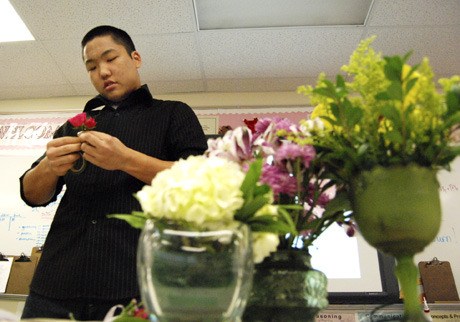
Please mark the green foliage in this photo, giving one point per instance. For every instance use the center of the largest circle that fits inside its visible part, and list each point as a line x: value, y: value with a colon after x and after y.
x: 256, y: 196
x: 389, y: 113
x: 136, y: 219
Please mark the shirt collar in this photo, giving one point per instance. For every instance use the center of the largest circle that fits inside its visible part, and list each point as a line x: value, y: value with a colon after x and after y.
x: 141, y: 94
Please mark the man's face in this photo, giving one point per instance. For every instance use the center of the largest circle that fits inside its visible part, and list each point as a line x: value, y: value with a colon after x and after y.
x: 112, y: 70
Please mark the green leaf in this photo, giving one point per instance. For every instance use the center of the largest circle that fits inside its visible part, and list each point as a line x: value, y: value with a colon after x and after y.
x: 391, y: 113
x: 411, y: 84
x: 452, y: 102
x: 336, y: 112
x: 286, y: 217
x: 269, y: 223
x: 393, y: 68
x: 261, y: 189
x: 353, y: 115
x: 406, y: 57
x: 395, y: 90
x: 412, y: 70
x: 251, y: 178
x: 394, y: 136
x: 452, y: 120
x: 251, y: 207
x: 383, y: 96
x: 330, y: 120
x: 135, y: 219
x: 340, y: 204
x: 323, y: 92
x: 340, y: 81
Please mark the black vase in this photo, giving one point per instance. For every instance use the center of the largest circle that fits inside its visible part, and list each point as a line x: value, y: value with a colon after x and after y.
x: 286, y: 288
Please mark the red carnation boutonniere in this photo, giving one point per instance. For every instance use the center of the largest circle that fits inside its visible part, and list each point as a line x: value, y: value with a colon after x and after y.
x: 81, y: 122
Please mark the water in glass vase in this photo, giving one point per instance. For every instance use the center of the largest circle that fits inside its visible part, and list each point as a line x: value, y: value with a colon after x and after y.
x: 195, y: 276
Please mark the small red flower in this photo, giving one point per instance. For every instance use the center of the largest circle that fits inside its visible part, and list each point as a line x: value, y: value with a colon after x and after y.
x: 82, y: 122
x: 90, y: 123
x: 141, y: 313
x: 251, y: 124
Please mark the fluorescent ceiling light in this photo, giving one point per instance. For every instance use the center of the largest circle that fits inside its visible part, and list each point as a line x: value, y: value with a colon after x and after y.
x: 12, y: 28
x: 212, y: 14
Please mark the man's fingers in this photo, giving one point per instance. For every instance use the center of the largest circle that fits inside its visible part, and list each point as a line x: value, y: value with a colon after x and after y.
x: 64, y: 141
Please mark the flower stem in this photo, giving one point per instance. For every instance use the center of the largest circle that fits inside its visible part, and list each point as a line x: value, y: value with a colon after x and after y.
x: 300, y: 200
x: 407, y: 273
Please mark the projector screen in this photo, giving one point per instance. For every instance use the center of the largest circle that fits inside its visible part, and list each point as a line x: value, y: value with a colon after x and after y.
x: 355, y: 270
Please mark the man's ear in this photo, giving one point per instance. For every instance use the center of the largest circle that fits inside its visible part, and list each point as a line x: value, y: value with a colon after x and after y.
x: 137, y: 58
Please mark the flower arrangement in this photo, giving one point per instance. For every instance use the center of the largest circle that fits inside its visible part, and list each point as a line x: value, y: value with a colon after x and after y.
x: 384, y: 134
x: 390, y: 113
x: 133, y: 312
x: 290, y: 168
x: 199, y: 192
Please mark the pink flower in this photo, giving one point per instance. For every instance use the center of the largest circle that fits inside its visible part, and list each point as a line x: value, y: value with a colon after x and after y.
x: 90, y: 123
x: 279, y: 180
x: 141, y: 313
x: 78, y: 120
x: 82, y: 123
x: 236, y: 145
x: 289, y: 152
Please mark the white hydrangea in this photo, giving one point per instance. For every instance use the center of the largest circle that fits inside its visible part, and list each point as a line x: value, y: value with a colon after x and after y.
x: 263, y: 244
x: 197, y: 190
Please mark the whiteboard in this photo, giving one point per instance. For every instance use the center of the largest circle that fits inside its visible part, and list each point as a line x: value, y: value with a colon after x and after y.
x: 446, y: 246
x: 21, y: 227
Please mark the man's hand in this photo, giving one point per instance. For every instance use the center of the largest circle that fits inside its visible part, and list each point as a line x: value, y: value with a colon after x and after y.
x: 109, y: 153
x: 61, y: 153
x: 103, y: 150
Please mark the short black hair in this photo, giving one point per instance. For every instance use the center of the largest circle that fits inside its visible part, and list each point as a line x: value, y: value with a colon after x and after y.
x: 121, y: 37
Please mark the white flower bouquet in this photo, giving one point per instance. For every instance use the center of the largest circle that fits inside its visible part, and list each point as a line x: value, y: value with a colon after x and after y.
x: 201, y: 192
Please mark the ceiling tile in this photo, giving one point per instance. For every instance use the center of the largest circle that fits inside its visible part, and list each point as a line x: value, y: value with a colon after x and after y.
x: 67, y: 55
x: 27, y: 63
x: 442, y: 51
x: 169, y: 57
x: 179, y: 58
x: 61, y: 19
x: 415, y: 13
x: 265, y: 53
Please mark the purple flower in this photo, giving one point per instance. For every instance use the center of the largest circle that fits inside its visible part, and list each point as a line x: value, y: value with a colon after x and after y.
x: 279, y: 180
x: 289, y: 152
x: 267, y: 127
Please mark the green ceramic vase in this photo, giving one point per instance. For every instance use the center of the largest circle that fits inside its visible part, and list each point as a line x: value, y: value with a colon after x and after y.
x: 398, y: 211
x: 286, y: 288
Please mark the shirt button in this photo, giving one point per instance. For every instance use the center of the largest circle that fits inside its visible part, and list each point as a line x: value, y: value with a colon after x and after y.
x: 94, y: 221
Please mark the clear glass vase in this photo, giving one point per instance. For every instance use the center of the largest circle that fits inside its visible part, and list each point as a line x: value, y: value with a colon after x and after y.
x: 398, y: 211
x: 195, y: 275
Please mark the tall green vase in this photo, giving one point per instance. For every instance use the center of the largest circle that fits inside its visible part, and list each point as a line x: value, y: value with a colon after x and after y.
x: 398, y: 211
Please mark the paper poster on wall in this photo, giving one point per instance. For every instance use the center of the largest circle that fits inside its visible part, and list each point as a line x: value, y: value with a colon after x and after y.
x: 209, y: 123
x: 22, y: 140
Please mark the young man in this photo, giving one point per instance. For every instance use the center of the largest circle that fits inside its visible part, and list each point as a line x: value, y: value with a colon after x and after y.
x: 88, y: 262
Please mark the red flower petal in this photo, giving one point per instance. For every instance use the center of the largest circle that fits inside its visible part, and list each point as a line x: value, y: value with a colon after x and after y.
x: 78, y: 120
